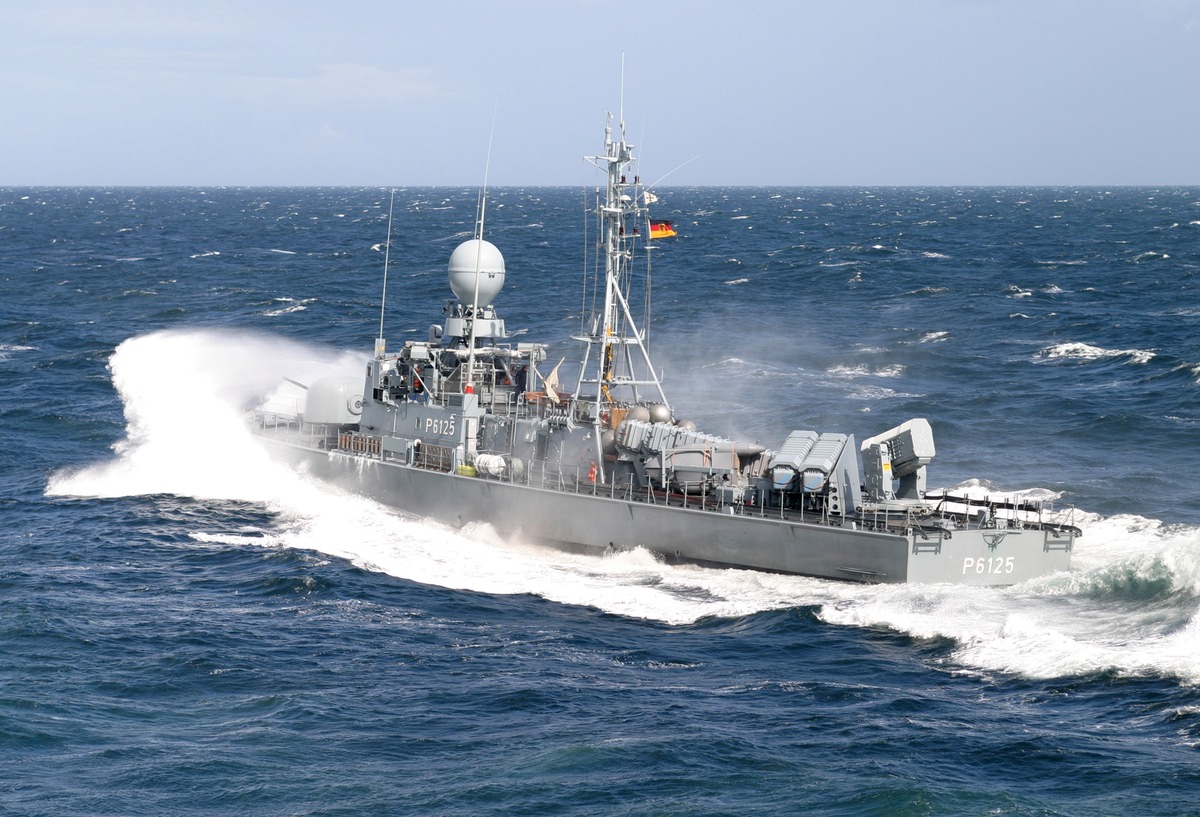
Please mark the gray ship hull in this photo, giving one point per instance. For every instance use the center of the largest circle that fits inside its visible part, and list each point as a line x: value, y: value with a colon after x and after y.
x: 602, y: 524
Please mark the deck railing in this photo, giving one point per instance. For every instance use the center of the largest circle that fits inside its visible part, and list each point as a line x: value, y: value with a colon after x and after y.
x: 697, y: 495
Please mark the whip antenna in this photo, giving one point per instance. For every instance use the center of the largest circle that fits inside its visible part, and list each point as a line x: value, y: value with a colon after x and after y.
x: 479, y: 255
x: 387, y: 251
x: 487, y: 166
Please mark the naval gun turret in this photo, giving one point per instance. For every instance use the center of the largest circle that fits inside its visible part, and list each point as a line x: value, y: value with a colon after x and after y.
x: 333, y: 401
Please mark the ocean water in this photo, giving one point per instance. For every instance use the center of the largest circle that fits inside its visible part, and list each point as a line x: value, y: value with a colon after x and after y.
x: 186, y: 628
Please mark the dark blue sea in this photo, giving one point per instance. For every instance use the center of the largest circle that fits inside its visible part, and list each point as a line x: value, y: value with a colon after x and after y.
x: 187, y: 629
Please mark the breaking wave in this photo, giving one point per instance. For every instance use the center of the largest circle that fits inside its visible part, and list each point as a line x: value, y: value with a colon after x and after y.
x: 1087, y: 352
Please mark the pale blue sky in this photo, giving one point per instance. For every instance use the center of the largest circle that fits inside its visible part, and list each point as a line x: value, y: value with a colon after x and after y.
x: 795, y: 92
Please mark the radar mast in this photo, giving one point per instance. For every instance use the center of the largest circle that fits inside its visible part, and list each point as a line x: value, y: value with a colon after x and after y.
x: 617, y: 361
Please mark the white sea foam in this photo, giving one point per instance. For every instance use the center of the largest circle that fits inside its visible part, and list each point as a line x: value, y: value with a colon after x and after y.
x: 860, y: 370
x: 192, y: 443
x: 842, y: 370
x: 6, y: 349
x: 1150, y: 256
x: 292, y: 306
x: 877, y: 393
x: 1085, y: 351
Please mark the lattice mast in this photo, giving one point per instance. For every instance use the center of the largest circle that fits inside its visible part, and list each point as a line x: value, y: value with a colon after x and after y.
x: 621, y: 369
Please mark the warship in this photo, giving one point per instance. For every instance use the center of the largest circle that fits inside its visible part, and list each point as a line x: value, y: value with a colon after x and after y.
x: 463, y: 428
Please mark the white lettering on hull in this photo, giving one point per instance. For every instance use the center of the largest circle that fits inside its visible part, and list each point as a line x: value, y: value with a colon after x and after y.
x: 442, y: 428
x: 990, y: 566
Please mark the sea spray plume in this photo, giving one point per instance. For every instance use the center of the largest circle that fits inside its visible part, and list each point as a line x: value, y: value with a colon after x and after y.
x: 184, y: 393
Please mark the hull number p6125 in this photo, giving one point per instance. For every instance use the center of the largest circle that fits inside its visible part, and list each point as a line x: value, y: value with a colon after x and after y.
x: 442, y: 428
x: 989, y: 566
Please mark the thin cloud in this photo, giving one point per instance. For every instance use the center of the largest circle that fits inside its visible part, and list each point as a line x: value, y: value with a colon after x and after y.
x: 342, y: 84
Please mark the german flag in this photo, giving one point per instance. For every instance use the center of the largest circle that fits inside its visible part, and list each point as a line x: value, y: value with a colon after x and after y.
x: 661, y: 229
